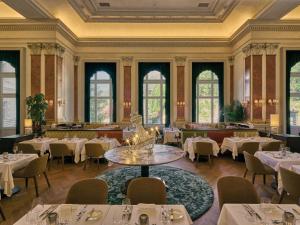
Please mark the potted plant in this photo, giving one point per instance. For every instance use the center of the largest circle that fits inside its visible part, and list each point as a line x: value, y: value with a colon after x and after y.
x: 235, y: 112
x: 36, y: 109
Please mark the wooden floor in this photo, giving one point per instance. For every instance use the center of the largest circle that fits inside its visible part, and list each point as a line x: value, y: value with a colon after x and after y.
x: 61, y: 180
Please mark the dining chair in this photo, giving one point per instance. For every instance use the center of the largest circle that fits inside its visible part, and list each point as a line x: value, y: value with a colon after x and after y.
x: 250, y: 147
x: 236, y: 190
x: 33, y: 170
x: 88, y: 191
x: 272, y: 146
x: 27, y: 148
x: 59, y: 151
x: 204, y: 148
x: 147, y: 190
x: 255, y: 166
x: 93, y: 151
x: 290, y: 184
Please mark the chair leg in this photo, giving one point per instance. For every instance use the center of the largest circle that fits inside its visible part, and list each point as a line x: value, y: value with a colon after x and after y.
x: 209, y: 160
x: 85, y: 162
x: 276, y: 179
x: 46, y: 177
x: 2, y: 213
x: 26, y: 183
x: 63, y: 162
x: 98, y: 162
x: 245, y: 174
x: 36, y: 186
x: 253, y: 178
x: 264, y: 178
x: 283, y: 193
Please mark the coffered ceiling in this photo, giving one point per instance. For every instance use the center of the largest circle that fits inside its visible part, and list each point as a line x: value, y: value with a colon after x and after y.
x: 154, y: 10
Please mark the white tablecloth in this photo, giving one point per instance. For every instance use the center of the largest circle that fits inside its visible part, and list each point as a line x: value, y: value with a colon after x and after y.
x: 189, y: 146
x: 7, y: 168
x: 233, y: 143
x: 107, y: 144
x: 41, y: 144
x: 109, y: 212
x: 169, y: 135
x: 236, y: 214
x: 76, y: 145
x: 296, y: 168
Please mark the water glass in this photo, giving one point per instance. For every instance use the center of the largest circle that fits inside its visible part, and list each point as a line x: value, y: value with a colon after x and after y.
x: 118, y: 215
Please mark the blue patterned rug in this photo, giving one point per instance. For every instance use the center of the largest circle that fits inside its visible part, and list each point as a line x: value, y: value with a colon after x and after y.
x: 185, y: 188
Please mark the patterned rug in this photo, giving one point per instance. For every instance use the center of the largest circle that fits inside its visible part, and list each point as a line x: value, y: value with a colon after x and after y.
x: 185, y: 188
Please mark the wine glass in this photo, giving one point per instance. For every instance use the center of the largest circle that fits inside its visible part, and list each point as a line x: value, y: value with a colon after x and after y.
x: 118, y: 215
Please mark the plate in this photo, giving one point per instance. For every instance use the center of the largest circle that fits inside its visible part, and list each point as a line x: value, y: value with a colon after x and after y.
x: 177, y: 214
x: 94, y: 214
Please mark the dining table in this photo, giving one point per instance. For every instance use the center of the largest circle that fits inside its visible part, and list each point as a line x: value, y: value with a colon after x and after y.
x: 106, y: 143
x: 189, y: 146
x: 172, y: 135
x: 75, y: 144
x: 234, y: 143
x: 40, y: 144
x: 107, y: 214
x: 255, y: 214
x: 9, y: 163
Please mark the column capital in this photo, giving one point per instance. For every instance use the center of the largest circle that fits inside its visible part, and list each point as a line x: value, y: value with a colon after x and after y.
x: 260, y: 48
x: 53, y: 49
x: 231, y: 60
x: 76, y: 60
x: 180, y: 60
x: 127, y: 60
x: 35, y: 48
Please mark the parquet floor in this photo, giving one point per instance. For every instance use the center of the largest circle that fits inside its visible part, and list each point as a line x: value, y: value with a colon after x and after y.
x: 61, y: 180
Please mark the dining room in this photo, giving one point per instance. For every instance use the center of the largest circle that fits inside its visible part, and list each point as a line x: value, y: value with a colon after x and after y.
x: 150, y: 112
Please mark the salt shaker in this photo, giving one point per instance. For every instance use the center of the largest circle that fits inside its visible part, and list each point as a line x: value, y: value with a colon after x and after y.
x: 288, y: 218
x: 144, y: 219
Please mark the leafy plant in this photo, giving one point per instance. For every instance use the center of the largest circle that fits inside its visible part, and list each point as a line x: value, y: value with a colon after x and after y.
x: 235, y: 112
x: 36, y: 109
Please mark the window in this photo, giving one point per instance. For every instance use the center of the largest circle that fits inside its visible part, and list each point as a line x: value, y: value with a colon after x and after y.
x: 101, y: 98
x: 207, y: 97
x: 154, y: 98
x: 8, y: 100
x: 295, y: 95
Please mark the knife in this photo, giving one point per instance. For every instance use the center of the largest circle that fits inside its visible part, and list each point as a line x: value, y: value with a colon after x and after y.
x: 255, y: 213
x: 47, y: 210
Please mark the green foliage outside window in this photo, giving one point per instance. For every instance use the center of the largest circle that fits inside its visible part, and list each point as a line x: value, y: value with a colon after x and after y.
x: 235, y: 112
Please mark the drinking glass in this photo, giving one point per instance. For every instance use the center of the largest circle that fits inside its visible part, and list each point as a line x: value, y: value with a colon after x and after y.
x: 118, y: 215
x: 164, y: 216
x: 266, y: 208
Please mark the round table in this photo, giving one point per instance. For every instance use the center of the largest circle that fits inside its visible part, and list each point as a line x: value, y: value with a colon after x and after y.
x: 162, y: 154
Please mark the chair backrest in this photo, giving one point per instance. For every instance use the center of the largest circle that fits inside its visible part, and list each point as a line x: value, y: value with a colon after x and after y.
x: 236, y: 190
x: 250, y: 147
x: 146, y: 190
x: 59, y: 149
x: 36, y: 166
x: 89, y: 191
x: 253, y: 164
x: 27, y: 148
x: 290, y: 182
x: 272, y: 146
x: 203, y: 148
x: 94, y: 149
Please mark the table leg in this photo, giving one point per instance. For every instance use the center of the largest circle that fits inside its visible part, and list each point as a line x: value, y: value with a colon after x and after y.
x: 145, y: 171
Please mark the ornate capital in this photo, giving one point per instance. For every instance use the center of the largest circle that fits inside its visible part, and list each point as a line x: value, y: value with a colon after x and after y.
x: 271, y: 48
x: 127, y: 60
x: 260, y: 48
x: 53, y: 49
x: 231, y: 60
x: 76, y: 60
x: 35, y: 48
x: 180, y: 60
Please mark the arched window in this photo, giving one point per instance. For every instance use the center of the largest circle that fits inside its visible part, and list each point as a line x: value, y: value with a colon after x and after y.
x: 154, y: 98
x: 207, y: 97
x: 8, y: 90
x: 295, y: 96
x: 101, y: 98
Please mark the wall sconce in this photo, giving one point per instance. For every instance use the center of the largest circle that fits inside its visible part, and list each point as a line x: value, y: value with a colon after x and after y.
x: 180, y: 103
x: 127, y: 104
x: 245, y: 103
x: 50, y: 102
x: 60, y: 102
x: 259, y: 101
x: 273, y: 101
x: 28, y: 126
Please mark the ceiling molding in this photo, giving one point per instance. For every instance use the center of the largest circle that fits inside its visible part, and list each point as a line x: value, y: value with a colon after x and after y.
x: 57, y: 26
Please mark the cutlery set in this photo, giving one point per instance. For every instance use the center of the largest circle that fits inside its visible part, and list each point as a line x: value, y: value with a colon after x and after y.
x: 251, y: 211
x: 47, y: 211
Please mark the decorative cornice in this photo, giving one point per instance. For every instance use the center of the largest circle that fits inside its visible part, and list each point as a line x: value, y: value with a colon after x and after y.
x: 180, y: 60
x: 127, y: 60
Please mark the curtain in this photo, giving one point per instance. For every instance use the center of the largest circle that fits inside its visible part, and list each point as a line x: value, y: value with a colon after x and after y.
x: 13, y: 57
x: 144, y: 69
x: 292, y: 58
x: 218, y: 69
x: 90, y: 69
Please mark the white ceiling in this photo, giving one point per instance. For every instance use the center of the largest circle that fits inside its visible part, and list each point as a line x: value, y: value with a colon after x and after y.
x: 154, y: 10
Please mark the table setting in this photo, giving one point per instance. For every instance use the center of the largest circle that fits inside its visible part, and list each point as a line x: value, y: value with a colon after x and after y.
x: 189, y: 145
x: 41, y: 144
x: 233, y: 143
x: 259, y: 214
x: 172, y: 135
x: 10, y: 163
x: 142, y: 214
